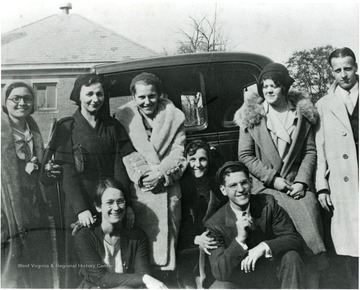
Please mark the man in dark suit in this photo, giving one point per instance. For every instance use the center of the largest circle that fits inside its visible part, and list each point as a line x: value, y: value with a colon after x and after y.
x: 258, y: 246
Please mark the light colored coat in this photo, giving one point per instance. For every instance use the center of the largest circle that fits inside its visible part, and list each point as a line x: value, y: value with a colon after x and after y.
x: 157, y: 213
x: 337, y: 171
x: 259, y: 153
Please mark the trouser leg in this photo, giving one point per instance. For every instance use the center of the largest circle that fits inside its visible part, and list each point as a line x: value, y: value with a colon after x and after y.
x: 291, y: 271
x: 352, y: 271
x: 223, y: 285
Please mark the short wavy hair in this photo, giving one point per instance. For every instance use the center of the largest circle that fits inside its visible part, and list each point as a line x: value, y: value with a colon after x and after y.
x: 19, y: 84
x: 342, y: 52
x: 146, y: 79
x: 102, y: 186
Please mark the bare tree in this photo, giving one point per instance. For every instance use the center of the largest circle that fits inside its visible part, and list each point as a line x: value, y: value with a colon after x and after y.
x: 203, y: 35
x: 311, y: 70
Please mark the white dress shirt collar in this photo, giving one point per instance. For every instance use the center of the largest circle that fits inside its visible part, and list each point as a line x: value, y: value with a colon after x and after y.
x: 354, y: 93
x: 240, y: 213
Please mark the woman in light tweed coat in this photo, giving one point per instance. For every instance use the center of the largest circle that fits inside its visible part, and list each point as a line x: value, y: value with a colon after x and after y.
x: 277, y: 144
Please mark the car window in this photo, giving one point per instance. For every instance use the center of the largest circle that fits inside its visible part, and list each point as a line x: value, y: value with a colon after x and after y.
x: 184, y: 86
x: 208, y: 94
x: 118, y: 102
x: 192, y: 105
x: 229, y: 83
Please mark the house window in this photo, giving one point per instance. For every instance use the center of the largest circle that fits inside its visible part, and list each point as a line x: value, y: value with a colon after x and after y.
x: 45, y: 96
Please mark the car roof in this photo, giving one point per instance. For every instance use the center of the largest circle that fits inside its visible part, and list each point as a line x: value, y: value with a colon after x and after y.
x: 182, y: 59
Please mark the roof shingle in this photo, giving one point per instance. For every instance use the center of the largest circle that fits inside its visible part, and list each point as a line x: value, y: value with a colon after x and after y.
x: 67, y: 38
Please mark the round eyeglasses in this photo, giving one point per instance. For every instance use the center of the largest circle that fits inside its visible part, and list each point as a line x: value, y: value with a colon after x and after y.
x: 26, y: 99
x: 111, y: 203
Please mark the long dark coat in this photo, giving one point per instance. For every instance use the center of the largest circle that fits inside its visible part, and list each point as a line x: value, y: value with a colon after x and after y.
x: 25, y: 233
x: 102, y: 149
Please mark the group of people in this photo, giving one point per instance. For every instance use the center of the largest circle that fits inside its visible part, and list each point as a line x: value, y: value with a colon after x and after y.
x: 142, y: 207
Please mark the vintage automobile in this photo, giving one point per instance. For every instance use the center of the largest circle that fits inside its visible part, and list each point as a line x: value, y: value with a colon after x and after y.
x: 207, y: 87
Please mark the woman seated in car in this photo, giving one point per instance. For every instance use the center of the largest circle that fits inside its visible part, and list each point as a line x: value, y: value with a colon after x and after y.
x: 110, y: 254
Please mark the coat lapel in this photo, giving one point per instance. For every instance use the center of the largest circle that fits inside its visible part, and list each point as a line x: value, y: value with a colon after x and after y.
x: 263, y: 139
x: 337, y: 107
x: 299, y: 135
x: 100, y: 236
x: 130, y: 118
x: 86, y: 128
x: 166, y: 125
x: 230, y: 220
x: 38, y: 141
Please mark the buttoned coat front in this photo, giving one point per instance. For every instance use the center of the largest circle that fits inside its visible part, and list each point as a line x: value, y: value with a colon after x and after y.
x: 337, y: 171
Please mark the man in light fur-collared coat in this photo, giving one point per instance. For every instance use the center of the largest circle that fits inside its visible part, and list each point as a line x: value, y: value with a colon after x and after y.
x: 156, y: 129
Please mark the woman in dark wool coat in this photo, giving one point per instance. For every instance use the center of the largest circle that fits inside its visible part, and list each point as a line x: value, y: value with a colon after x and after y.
x: 26, y: 255
x: 90, y: 146
x: 277, y: 144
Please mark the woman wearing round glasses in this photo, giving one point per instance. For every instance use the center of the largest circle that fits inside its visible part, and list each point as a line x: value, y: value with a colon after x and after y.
x: 25, y: 238
x: 112, y: 255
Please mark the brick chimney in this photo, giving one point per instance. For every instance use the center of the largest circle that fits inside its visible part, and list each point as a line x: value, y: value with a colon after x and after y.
x: 66, y: 7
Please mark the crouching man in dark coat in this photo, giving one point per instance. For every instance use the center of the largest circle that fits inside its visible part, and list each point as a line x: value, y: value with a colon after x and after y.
x: 258, y: 246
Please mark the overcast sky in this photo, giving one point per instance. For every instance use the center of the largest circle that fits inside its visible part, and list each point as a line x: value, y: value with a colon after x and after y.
x: 272, y: 28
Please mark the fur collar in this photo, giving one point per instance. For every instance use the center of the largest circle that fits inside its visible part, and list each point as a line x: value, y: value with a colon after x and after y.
x: 167, y: 123
x: 252, y: 111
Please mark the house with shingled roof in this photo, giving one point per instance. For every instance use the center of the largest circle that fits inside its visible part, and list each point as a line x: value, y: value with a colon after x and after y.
x: 49, y: 54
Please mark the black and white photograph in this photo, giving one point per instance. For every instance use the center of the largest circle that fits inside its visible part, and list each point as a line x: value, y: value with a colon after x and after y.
x: 180, y: 144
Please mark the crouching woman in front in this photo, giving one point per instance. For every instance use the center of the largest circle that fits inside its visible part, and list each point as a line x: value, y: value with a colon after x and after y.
x: 110, y: 254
